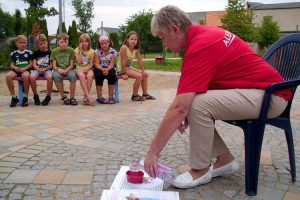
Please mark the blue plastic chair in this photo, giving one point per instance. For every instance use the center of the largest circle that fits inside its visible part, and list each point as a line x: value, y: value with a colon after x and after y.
x: 284, y: 56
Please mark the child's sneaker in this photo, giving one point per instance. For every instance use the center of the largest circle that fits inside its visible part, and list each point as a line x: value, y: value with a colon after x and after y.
x: 14, y: 102
x: 36, y: 100
x: 24, y: 102
x: 46, y: 100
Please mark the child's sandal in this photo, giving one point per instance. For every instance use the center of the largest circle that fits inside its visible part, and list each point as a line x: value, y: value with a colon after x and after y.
x: 148, y: 96
x: 66, y: 100
x: 91, y: 101
x: 102, y: 100
x: 73, y: 102
x: 137, y: 98
x: 111, y: 100
x: 85, y: 101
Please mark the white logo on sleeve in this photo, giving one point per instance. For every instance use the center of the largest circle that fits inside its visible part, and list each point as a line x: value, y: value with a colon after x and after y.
x: 228, y: 38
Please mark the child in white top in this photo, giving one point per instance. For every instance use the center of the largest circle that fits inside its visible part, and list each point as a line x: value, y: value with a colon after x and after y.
x: 105, y: 68
x: 130, y: 50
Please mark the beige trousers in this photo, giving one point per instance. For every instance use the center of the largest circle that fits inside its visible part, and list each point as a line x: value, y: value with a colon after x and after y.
x: 233, y: 104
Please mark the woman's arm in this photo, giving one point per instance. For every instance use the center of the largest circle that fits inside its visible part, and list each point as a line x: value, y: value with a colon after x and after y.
x: 175, y: 114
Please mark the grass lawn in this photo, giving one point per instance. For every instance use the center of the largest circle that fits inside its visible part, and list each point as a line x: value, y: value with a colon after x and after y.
x: 171, y: 65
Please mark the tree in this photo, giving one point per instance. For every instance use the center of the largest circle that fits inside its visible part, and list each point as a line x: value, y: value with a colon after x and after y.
x: 238, y: 20
x: 18, y: 22
x: 115, y: 40
x: 268, y: 32
x: 44, y: 28
x: 140, y: 22
x: 6, y: 24
x: 73, y: 35
x: 84, y: 13
x: 37, y: 13
x: 63, y: 30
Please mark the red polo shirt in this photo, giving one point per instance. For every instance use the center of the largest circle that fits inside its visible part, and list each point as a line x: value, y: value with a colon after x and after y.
x: 217, y: 59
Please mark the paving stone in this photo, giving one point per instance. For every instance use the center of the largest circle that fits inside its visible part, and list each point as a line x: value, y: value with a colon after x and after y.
x: 14, y: 159
x: 50, y: 177
x: 291, y: 196
x: 29, y: 151
x: 78, y: 177
x: 6, y: 169
x: 78, y: 141
x: 9, y: 164
x: 21, y: 176
x: 267, y: 193
x: 22, y: 155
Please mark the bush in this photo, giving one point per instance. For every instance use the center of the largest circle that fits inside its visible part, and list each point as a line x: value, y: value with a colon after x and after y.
x: 6, y: 48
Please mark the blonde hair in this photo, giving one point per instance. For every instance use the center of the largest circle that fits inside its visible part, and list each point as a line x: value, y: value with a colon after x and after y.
x: 40, y: 38
x: 168, y: 16
x: 62, y: 36
x: 138, y: 44
x: 21, y: 37
x: 85, y: 36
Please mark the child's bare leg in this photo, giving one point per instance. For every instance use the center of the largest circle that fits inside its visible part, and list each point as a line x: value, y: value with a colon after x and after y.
x: 83, y: 83
x: 33, y: 82
x: 49, y: 84
x: 59, y: 87
x: 72, y: 89
x: 111, y: 89
x: 138, y: 79
x: 90, y: 77
x: 99, y: 91
x: 9, y: 81
x: 26, y: 80
x: 145, y: 85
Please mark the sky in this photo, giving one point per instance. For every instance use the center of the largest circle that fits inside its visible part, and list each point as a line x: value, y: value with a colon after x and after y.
x: 114, y: 13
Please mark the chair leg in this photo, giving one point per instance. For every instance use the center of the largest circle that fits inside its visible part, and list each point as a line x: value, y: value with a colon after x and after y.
x: 117, y: 98
x: 290, y: 144
x: 21, y: 90
x: 253, y: 143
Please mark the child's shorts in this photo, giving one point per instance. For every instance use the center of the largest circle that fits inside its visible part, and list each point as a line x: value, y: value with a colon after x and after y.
x: 38, y: 74
x: 18, y: 74
x: 71, y: 76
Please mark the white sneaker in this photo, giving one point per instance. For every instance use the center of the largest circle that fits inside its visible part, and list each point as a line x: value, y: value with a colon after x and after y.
x: 185, y: 180
x: 230, y: 168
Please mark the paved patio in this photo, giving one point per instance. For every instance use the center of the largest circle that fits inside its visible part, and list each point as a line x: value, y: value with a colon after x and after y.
x: 74, y: 152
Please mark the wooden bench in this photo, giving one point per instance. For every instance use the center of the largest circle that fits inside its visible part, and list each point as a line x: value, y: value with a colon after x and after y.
x: 20, y: 87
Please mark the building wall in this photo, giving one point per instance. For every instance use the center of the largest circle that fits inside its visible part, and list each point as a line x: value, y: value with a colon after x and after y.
x: 287, y: 19
x: 213, y: 18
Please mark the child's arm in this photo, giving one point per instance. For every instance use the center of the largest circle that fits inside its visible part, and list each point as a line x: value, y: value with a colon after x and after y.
x: 34, y: 64
x: 49, y: 67
x: 27, y: 67
x: 78, y: 55
x: 97, y: 62
x: 111, y: 63
x: 140, y: 60
x: 54, y: 65
x: 123, y: 57
x: 71, y: 66
x: 91, y: 64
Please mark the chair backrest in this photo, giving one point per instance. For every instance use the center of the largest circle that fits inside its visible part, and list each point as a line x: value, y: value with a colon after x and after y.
x: 284, y: 56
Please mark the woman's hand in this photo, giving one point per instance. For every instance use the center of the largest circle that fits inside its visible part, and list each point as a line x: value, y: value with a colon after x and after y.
x: 150, y: 164
x: 183, y: 126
